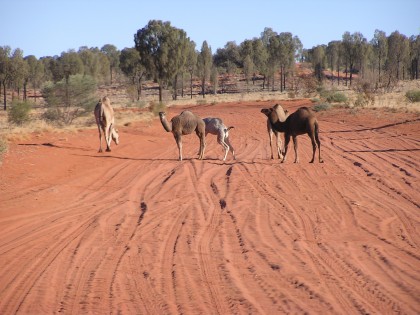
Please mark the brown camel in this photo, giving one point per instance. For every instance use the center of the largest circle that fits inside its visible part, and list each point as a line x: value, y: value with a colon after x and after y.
x: 282, y: 114
x: 104, y: 116
x: 184, y: 124
x: 300, y: 122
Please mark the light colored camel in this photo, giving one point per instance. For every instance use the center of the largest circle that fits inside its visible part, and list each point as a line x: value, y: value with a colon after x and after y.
x: 282, y: 114
x: 300, y: 122
x: 215, y: 126
x: 104, y: 116
x: 184, y: 124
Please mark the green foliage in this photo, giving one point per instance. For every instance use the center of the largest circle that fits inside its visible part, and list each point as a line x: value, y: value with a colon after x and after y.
x: 413, y: 95
x: 3, y: 147
x: 68, y: 99
x: 156, y: 107
x: 322, y: 107
x: 19, y: 112
x: 332, y: 96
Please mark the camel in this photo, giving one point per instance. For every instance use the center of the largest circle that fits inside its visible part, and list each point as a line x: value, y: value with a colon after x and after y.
x: 104, y: 116
x: 300, y: 122
x: 215, y: 126
x: 282, y: 114
x: 184, y: 124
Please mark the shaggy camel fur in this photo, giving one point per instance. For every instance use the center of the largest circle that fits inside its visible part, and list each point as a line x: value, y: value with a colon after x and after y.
x: 215, y: 126
x: 300, y: 122
x: 184, y: 124
x: 104, y: 116
x: 282, y: 114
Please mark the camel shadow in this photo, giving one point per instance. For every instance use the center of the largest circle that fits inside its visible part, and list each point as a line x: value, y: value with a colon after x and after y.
x: 381, y: 150
x: 374, y: 128
x: 51, y: 145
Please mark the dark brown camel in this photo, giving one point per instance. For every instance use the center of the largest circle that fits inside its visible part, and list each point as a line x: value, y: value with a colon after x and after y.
x: 303, y: 121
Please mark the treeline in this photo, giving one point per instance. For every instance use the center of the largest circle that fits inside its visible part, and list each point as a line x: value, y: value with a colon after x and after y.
x: 166, y: 55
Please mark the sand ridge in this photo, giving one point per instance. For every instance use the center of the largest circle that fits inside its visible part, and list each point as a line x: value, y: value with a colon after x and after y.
x: 135, y: 231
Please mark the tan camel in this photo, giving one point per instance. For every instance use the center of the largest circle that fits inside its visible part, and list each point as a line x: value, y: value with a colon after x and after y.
x: 300, y: 122
x: 282, y: 114
x: 215, y: 126
x: 184, y: 124
x: 104, y: 116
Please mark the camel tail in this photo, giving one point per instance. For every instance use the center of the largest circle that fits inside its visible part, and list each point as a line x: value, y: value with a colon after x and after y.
x: 316, y: 130
x: 231, y: 127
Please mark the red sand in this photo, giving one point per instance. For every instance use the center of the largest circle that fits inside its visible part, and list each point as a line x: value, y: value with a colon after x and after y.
x: 135, y: 231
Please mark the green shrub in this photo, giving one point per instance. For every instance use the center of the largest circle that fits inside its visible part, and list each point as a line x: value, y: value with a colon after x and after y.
x: 3, y: 148
x: 413, y: 95
x: 156, y: 107
x: 68, y: 99
x: 336, y: 97
x: 19, y: 112
x: 321, y: 107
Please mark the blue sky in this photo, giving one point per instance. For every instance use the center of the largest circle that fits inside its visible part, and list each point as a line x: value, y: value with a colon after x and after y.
x: 50, y: 27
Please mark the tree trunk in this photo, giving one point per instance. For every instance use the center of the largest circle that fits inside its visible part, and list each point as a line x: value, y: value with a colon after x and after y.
x: 182, y: 85
x: 175, y: 87
x: 203, y: 82
x: 160, y: 92
x: 110, y: 71
x: 191, y: 84
x: 4, y: 96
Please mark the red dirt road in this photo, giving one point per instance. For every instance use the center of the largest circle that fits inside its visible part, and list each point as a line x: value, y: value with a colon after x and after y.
x: 135, y: 231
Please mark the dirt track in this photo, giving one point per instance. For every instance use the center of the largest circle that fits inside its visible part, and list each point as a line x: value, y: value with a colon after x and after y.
x: 135, y: 231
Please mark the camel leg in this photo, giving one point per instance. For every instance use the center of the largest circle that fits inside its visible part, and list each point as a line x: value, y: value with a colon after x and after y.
x: 223, y: 144
x: 100, y: 139
x: 232, y: 150
x: 270, y: 136
x: 178, y: 140
x: 108, y: 138
x: 319, y: 144
x: 286, y: 145
x: 313, y: 147
x: 279, y: 145
x: 295, y: 144
x: 202, y: 145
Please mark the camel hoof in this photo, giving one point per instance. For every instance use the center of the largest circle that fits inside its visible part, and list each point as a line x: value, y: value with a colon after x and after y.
x: 108, y: 150
x: 321, y: 161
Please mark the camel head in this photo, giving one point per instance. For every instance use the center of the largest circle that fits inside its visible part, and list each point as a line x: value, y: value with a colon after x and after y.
x: 162, y: 115
x: 267, y: 111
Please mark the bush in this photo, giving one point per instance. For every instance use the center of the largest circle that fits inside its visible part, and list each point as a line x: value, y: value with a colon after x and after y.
x: 156, y: 107
x: 322, y: 107
x: 332, y: 96
x: 19, y: 112
x: 413, y: 95
x: 68, y: 99
x: 3, y: 148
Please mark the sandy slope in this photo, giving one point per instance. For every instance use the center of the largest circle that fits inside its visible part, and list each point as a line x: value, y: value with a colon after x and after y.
x: 135, y: 231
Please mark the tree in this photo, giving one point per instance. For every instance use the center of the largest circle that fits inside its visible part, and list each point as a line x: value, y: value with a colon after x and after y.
x: 5, y: 71
x: 18, y: 69
x: 160, y: 46
x: 90, y: 60
x: 333, y: 56
x: 414, y: 56
x: 397, y: 53
x: 113, y: 56
x: 214, y: 78
x: 191, y: 63
x: 380, y: 49
x: 130, y: 64
x: 260, y: 57
x: 69, y: 98
x: 353, y: 45
x: 205, y: 63
x: 248, y: 69
x: 318, y: 61
x: 34, y: 73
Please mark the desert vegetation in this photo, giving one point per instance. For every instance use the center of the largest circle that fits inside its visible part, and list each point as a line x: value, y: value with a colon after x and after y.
x: 351, y: 71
